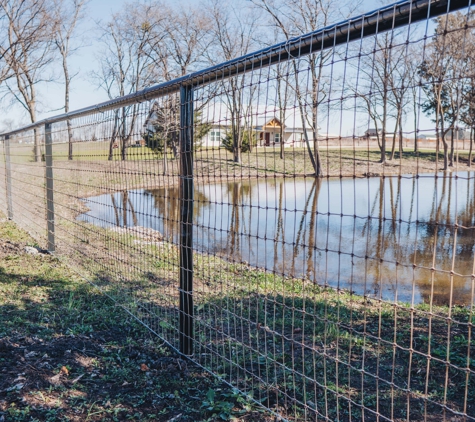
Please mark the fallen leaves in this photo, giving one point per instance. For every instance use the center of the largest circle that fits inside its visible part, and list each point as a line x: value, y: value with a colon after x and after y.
x: 16, y: 387
x: 56, y: 379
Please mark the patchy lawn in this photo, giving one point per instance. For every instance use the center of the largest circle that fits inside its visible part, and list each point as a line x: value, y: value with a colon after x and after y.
x: 67, y: 353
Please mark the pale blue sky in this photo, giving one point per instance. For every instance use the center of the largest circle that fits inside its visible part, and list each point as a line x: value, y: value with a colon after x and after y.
x: 84, y: 93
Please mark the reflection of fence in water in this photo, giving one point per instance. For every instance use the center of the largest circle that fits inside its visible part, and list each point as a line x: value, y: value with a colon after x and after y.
x: 259, y: 235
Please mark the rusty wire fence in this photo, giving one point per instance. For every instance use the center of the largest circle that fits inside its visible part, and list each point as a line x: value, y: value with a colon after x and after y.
x: 195, y: 205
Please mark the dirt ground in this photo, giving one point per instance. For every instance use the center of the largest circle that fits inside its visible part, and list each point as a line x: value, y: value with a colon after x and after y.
x: 68, y: 354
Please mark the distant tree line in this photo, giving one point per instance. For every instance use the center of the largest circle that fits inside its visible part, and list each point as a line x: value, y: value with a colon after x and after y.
x: 147, y: 42
x: 398, y: 77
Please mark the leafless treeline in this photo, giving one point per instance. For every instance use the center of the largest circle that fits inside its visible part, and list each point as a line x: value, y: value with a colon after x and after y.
x: 393, y: 78
x: 402, y: 77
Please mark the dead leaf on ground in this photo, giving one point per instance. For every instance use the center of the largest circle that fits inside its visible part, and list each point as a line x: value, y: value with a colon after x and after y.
x: 16, y: 387
x: 56, y: 380
x: 144, y: 367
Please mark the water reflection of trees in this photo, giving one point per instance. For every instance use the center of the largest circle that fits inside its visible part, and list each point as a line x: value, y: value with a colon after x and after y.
x: 167, y: 201
x: 391, y: 252
x: 401, y: 251
x: 122, y: 208
x: 446, y: 243
x: 413, y: 227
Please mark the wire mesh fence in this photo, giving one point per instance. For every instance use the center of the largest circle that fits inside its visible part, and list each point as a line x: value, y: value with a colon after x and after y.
x: 300, y: 221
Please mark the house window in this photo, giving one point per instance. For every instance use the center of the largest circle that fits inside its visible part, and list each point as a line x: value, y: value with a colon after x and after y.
x: 277, y: 137
x: 215, y: 136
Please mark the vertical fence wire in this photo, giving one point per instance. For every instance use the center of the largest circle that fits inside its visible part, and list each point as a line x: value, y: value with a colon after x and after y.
x: 304, y: 229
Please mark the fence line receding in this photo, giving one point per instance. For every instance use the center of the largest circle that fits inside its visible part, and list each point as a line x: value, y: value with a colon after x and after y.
x: 300, y: 221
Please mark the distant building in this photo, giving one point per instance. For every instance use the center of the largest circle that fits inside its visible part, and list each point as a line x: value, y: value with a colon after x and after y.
x: 426, y: 136
x: 373, y: 133
x: 264, y: 122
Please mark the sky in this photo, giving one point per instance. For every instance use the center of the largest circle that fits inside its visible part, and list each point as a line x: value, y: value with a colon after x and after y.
x: 83, y: 90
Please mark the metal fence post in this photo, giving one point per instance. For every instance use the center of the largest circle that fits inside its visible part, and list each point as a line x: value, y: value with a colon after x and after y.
x: 186, y: 220
x: 49, y: 187
x: 8, y: 177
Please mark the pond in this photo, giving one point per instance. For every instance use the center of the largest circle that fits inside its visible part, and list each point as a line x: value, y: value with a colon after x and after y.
x: 406, y: 239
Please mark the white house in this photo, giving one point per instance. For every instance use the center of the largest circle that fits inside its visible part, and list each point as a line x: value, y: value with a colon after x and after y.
x: 268, y: 124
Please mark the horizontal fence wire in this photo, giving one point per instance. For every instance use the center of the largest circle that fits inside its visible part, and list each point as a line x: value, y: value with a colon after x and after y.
x: 294, y: 228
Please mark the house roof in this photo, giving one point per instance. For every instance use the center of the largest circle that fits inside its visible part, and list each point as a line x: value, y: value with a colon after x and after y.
x: 219, y: 114
x: 373, y: 130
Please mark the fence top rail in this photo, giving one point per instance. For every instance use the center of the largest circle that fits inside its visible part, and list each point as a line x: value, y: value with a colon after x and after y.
x: 383, y: 19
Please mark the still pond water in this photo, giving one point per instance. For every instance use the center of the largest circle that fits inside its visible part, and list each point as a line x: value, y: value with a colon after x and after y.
x: 375, y: 236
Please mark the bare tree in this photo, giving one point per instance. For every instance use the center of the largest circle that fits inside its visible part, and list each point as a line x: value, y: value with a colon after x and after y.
x: 467, y: 115
x: 442, y: 71
x: 232, y: 30
x: 176, y: 46
x: 382, y: 87
x: 125, y: 64
x: 399, y: 83
x: 295, y: 17
x: 67, y: 15
x: 414, y: 81
x: 27, y: 29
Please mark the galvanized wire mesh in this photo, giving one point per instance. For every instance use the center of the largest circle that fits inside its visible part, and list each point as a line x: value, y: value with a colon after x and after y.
x: 346, y: 296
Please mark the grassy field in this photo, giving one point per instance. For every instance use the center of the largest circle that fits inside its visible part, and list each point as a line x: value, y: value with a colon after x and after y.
x: 68, y: 353
x: 336, y: 161
x: 308, y: 353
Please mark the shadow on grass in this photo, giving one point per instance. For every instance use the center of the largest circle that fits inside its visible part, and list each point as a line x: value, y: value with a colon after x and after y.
x: 67, y: 352
x: 318, y: 353
x: 307, y: 353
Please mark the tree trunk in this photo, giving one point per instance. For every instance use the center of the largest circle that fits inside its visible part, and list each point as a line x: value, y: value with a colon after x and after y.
x: 393, y: 148
x: 115, y: 132
x: 70, y: 140
x: 316, y: 167
x: 451, y: 158
x: 66, y: 108
x: 446, y: 150
x: 401, y: 146
x: 123, y: 137
x: 36, y: 145
x: 470, y: 148
x: 385, y: 112
x: 416, y: 145
x: 165, y: 162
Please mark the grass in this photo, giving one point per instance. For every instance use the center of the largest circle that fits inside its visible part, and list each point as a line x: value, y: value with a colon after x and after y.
x: 68, y: 353
x: 304, y: 351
